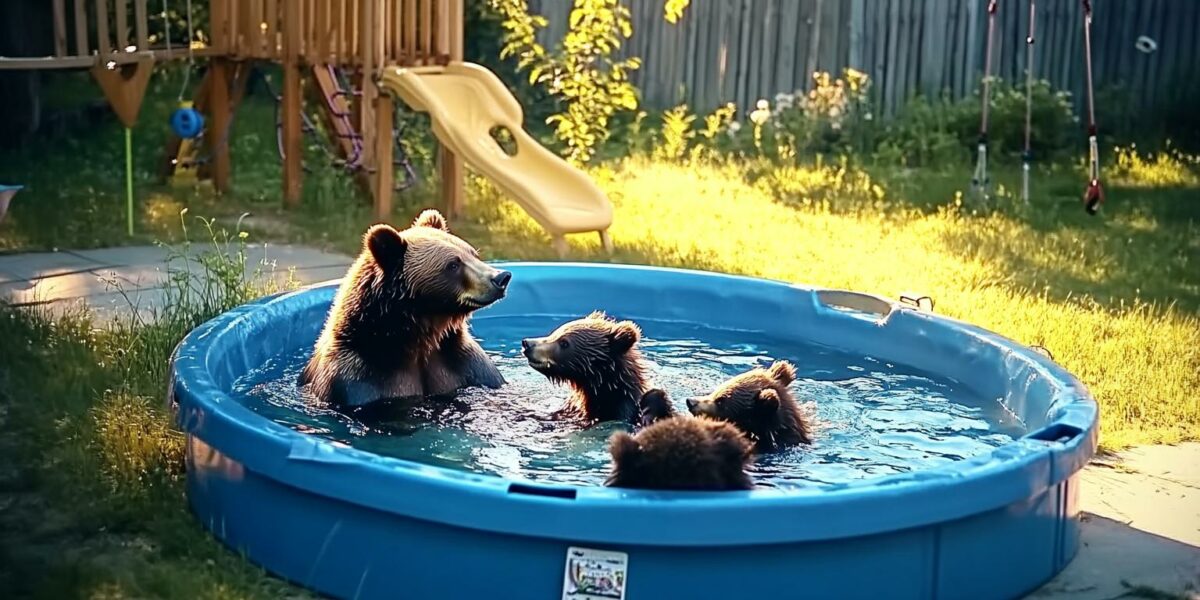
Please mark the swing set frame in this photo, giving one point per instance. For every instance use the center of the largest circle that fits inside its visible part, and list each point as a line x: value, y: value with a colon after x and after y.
x: 307, y: 38
x: 1093, y: 195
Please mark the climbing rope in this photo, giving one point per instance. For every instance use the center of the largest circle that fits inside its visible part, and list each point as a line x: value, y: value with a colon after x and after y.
x: 979, y: 182
x: 1027, y: 155
x: 1093, y: 195
x: 354, y: 162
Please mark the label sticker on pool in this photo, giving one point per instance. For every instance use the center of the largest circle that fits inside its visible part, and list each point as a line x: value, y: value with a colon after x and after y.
x: 595, y: 574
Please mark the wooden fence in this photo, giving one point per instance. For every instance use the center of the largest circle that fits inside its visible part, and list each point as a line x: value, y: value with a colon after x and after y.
x: 742, y: 50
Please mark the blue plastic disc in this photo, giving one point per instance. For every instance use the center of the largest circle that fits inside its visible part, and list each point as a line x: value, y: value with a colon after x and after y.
x: 187, y: 122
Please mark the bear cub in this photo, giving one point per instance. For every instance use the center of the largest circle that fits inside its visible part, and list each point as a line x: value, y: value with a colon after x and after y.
x: 598, y: 358
x: 398, y: 325
x: 759, y: 403
x: 678, y: 452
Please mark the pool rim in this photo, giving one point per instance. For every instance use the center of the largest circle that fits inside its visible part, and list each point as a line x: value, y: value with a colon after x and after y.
x: 228, y: 430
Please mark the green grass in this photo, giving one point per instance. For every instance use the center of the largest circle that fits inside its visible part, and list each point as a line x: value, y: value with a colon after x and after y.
x: 91, y: 499
x: 92, y: 504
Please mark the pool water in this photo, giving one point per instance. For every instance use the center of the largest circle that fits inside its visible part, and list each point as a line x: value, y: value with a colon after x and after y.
x: 872, y: 418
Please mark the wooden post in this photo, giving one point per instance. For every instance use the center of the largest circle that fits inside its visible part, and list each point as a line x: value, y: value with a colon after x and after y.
x: 384, y: 171
x: 219, y: 77
x: 81, y: 32
x: 218, y: 16
x: 140, y: 24
x: 60, y: 29
x: 104, y: 42
x: 122, y: 25
x: 368, y: 122
x: 451, y: 166
x: 292, y: 166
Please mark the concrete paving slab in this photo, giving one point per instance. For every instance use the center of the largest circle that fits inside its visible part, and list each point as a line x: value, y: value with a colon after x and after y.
x: 52, y: 288
x: 21, y: 267
x: 98, y: 276
x: 1141, y: 527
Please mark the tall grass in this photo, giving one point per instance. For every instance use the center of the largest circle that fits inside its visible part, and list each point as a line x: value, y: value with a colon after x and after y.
x: 101, y: 465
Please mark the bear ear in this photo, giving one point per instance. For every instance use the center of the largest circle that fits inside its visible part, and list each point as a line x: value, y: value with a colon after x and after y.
x: 655, y: 406
x: 431, y: 218
x: 623, y: 336
x: 783, y: 372
x: 385, y: 245
x: 624, y: 448
x: 768, y: 400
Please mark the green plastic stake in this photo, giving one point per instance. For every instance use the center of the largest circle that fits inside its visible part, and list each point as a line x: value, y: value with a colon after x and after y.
x: 129, y: 179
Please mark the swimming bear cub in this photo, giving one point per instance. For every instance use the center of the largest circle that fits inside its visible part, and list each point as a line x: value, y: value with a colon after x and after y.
x: 598, y: 358
x: 679, y: 452
x: 759, y: 403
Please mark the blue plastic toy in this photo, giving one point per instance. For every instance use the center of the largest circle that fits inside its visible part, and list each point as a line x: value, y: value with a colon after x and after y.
x: 186, y: 121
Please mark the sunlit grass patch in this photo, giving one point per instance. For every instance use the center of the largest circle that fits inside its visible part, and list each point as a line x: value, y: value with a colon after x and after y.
x: 1169, y: 167
x: 1101, y: 298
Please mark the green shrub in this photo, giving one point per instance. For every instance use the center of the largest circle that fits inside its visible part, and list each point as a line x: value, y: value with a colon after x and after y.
x: 938, y: 131
x: 584, y: 73
x: 1054, y: 124
x: 834, y: 118
x: 922, y: 134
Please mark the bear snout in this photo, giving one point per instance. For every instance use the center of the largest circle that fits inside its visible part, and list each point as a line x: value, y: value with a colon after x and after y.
x: 692, y: 403
x: 501, y: 279
x: 527, y: 347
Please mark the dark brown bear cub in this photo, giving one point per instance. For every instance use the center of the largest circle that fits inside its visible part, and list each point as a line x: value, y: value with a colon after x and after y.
x: 678, y: 452
x: 599, y: 359
x: 760, y: 404
x: 398, y: 325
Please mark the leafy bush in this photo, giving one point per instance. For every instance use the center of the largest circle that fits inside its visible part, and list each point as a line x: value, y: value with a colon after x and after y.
x: 833, y: 118
x: 934, y: 131
x: 922, y: 134
x: 584, y: 73
x: 1054, y: 124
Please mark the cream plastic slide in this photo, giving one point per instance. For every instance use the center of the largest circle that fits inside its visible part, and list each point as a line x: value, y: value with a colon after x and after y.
x: 465, y: 102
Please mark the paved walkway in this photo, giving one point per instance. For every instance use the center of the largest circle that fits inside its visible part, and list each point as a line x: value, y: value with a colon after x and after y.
x: 1141, y: 521
x: 111, y: 280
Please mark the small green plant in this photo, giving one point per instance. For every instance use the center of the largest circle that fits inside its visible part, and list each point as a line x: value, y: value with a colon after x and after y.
x: 677, y: 133
x: 584, y: 73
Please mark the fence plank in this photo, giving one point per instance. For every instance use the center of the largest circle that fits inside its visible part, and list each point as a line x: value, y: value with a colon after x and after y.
x: 743, y: 50
x: 122, y: 23
x: 140, y: 17
x: 103, y: 42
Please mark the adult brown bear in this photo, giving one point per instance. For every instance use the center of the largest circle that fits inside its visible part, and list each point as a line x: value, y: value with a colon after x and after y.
x: 398, y: 325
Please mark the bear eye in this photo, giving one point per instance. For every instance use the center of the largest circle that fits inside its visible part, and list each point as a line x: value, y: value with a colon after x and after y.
x: 453, y: 265
x: 564, y: 344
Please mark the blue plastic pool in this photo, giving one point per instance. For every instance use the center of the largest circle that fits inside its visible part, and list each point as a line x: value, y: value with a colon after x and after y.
x: 350, y: 523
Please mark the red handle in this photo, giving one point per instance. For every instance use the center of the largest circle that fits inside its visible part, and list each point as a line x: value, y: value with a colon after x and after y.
x: 1093, y: 197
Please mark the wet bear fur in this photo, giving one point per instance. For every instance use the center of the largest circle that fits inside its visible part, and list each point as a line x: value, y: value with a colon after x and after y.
x: 679, y: 452
x: 598, y: 358
x: 759, y: 403
x: 398, y: 327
